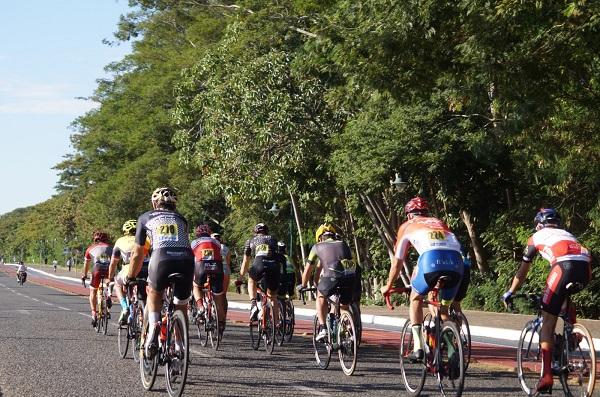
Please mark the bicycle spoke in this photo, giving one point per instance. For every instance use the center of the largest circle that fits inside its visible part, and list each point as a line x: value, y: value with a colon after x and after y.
x: 529, y: 357
x: 322, y: 348
x: 578, y: 366
x: 347, y: 342
x: 451, y: 368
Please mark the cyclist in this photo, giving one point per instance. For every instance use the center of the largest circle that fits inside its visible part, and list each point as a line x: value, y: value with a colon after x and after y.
x: 333, y: 256
x: 226, y: 255
x: 122, y: 251
x: 464, y: 285
x: 287, y: 280
x: 22, y: 271
x: 570, y: 263
x: 261, y: 250
x: 439, y: 256
x: 98, y: 254
x: 167, y: 231
x: 208, y: 261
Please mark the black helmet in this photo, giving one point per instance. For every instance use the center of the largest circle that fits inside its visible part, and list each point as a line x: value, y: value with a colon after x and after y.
x: 547, y: 216
x: 261, y: 228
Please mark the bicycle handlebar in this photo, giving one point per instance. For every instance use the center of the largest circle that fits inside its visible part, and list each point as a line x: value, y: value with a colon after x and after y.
x: 303, y: 290
x: 83, y: 281
x: 397, y: 290
x: 533, y: 298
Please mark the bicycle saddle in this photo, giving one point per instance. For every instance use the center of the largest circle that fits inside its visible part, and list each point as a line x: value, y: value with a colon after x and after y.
x: 573, y: 288
x: 176, y: 277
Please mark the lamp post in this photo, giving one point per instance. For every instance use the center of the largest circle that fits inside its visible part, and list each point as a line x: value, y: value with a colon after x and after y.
x: 274, y: 210
x: 398, y: 183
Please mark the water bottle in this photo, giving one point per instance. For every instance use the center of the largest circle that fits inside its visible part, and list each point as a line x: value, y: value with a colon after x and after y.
x: 130, y: 313
x: 163, y: 330
x: 332, y: 327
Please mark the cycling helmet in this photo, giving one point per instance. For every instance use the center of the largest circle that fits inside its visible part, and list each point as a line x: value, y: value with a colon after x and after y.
x: 324, y: 229
x: 281, y: 247
x: 203, y: 230
x: 100, y: 237
x: 164, y: 195
x: 216, y: 236
x: 546, y: 216
x: 416, y: 205
x: 130, y: 226
x: 261, y: 228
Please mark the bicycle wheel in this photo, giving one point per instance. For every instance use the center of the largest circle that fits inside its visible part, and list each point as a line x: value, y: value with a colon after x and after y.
x: 322, y: 348
x: 280, y: 324
x: 202, y: 326
x: 413, y: 373
x: 578, y: 375
x: 268, y: 333
x: 138, y: 326
x: 177, y: 351
x: 212, y: 326
x: 123, y: 339
x: 451, y: 366
x: 290, y: 320
x: 355, y: 311
x: 347, y: 342
x: 148, y: 368
x: 105, y: 317
x: 529, y: 356
x: 462, y: 324
x: 255, y: 331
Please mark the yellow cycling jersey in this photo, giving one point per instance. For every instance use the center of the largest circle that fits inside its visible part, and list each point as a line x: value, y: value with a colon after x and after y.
x: 123, y: 249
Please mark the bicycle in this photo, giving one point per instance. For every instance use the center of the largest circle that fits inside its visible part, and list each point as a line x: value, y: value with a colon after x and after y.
x: 287, y: 319
x: 132, y: 331
x: 173, y: 346
x: 573, y: 356
x: 341, y: 334
x: 459, y: 318
x: 208, y: 322
x: 102, y: 313
x: 443, y: 348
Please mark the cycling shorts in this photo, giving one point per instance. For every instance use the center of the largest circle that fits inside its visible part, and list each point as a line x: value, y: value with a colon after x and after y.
x: 561, y: 274
x: 434, y: 264
x: 98, y: 271
x: 464, y: 285
x: 287, y: 284
x: 344, y: 284
x: 120, y: 277
x: 267, y: 269
x: 159, y: 272
x: 214, y: 269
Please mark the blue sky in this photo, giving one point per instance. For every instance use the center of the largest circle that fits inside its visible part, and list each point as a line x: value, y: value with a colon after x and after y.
x: 50, y: 53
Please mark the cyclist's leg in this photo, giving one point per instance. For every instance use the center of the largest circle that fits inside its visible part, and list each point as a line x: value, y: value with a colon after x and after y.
x: 216, y: 284
x: 324, y: 290
x: 199, y: 280
x: 255, y: 274
x: 272, y: 275
x: 94, y: 284
x: 158, y: 273
x: 121, y: 296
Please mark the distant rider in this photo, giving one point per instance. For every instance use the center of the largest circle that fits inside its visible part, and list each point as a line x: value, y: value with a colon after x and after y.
x: 98, y: 254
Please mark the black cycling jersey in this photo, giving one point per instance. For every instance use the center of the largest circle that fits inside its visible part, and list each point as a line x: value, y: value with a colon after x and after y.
x: 261, y: 245
x: 331, y: 253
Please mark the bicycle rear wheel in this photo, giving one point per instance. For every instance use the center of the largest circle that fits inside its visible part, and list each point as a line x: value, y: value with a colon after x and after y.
x: 268, y: 333
x: 451, y: 366
x: 105, y: 317
x: 322, y: 348
x: 177, y: 351
x: 355, y: 311
x: 138, y: 326
x: 123, y: 340
x: 578, y: 375
x: 100, y: 315
x: 529, y: 356
x: 413, y: 373
x: 465, y: 335
x: 290, y: 320
x: 280, y: 324
x: 202, y: 327
x: 347, y: 342
x: 148, y: 368
x: 255, y: 333
x: 212, y: 326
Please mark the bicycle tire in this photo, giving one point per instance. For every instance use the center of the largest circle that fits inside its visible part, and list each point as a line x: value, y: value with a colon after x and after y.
x: 450, y: 365
x: 105, y: 316
x: 100, y: 316
x: 529, y: 356
x: 202, y: 327
x: 268, y: 334
x: 176, y: 367
x: 148, y: 368
x: 123, y: 340
x: 578, y: 363
x: 413, y: 373
x: 290, y: 320
x: 255, y: 333
x: 212, y: 326
x: 322, y: 348
x: 347, y: 342
x: 354, y: 309
x: 138, y: 321
x: 462, y: 324
x: 280, y: 325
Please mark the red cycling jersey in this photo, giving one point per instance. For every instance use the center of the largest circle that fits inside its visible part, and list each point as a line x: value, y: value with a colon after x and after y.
x: 555, y: 245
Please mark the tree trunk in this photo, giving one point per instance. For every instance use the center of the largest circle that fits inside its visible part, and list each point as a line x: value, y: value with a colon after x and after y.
x: 482, y: 264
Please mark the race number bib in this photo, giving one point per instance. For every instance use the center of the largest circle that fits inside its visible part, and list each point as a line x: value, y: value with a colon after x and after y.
x: 262, y: 250
x: 168, y: 232
x: 208, y: 253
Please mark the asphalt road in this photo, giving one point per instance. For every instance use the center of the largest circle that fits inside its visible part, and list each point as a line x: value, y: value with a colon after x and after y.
x: 47, y: 347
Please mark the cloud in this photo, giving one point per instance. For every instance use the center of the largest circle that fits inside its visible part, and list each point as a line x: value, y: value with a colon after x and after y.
x: 19, y: 97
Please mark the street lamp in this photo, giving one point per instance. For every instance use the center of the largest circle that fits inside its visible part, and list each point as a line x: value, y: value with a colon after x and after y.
x: 275, y: 209
x: 399, y: 183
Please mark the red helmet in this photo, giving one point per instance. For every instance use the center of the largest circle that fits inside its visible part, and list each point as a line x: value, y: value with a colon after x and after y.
x: 100, y: 237
x: 203, y: 230
x: 416, y: 205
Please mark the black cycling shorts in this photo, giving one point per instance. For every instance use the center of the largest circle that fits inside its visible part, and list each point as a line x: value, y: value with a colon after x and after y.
x: 214, y: 269
x: 267, y: 269
x: 287, y: 284
x: 561, y: 274
x: 464, y: 285
x: 159, y: 272
x: 344, y: 284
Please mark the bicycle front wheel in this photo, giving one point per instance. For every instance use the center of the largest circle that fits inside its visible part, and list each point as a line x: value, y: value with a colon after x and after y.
x: 451, y: 367
x: 323, y: 347
x: 212, y: 326
x: 413, y: 372
x: 465, y: 335
x: 177, y: 352
x: 280, y: 325
x: 355, y: 311
x: 254, y: 326
x: 268, y: 333
x: 348, y: 342
x: 138, y: 326
x: 148, y: 368
x: 123, y: 340
x: 290, y: 320
x: 578, y: 375
x: 105, y: 317
x: 529, y: 356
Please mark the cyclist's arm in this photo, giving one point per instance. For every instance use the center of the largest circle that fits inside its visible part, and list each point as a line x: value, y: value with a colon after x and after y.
x: 245, y: 265
x: 308, y: 268
x: 114, y: 261
x: 86, y: 265
x: 396, y: 269
x: 520, y: 277
x: 137, y: 260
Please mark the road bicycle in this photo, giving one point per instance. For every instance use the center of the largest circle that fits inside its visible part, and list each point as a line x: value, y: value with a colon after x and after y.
x: 132, y: 331
x: 573, y: 356
x: 443, y: 349
x: 102, y: 300
x: 287, y: 319
x: 207, y: 323
x: 173, y: 345
x: 460, y: 319
x: 341, y: 334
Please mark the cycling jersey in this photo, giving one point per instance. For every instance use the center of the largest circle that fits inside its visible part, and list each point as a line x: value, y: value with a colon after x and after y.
x: 207, y: 254
x: 123, y: 250
x: 555, y: 245
x: 261, y: 245
x: 332, y: 254
x: 225, y: 255
x: 99, y: 255
x: 263, y: 249
x: 171, y: 251
x: 424, y: 234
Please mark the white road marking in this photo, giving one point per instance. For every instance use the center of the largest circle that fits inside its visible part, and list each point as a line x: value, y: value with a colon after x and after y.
x: 23, y: 311
x: 310, y: 390
x: 64, y: 308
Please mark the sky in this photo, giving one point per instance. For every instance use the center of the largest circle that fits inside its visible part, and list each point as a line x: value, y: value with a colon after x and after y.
x: 51, y: 53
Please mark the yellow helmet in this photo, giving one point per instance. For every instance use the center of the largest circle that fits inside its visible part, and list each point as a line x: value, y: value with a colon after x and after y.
x: 130, y: 226
x: 323, y: 229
